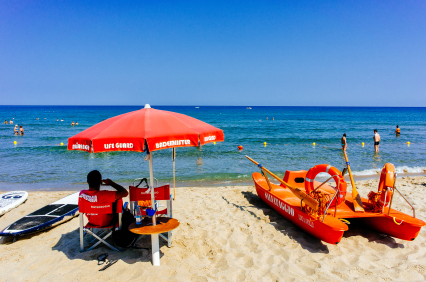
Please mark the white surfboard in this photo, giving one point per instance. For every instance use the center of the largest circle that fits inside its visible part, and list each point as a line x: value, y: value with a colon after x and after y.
x: 11, y: 200
x: 46, y: 217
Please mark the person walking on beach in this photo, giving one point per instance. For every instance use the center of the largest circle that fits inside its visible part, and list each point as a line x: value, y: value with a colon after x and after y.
x: 343, y: 141
x: 95, y: 195
x: 376, y: 139
x: 397, y: 131
x: 21, y: 130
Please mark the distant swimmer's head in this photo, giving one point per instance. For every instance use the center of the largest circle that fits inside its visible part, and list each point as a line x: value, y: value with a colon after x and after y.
x: 94, y: 179
x: 344, y: 134
x: 397, y: 126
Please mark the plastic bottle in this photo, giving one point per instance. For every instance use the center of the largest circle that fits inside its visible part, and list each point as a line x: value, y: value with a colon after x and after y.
x: 138, y: 215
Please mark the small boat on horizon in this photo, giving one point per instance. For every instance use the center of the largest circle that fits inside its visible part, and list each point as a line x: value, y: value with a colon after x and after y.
x: 248, y: 108
x: 197, y: 107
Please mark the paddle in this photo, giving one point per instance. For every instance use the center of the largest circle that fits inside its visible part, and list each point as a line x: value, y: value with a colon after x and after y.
x: 356, y: 198
x: 311, y: 202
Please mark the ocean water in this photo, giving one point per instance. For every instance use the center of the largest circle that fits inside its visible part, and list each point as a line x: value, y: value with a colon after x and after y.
x: 38, y: 161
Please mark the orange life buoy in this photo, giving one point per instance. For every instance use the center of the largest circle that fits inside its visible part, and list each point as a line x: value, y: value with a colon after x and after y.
x: 387, y: 181
x: 240, y: 147
x: 337, y: 176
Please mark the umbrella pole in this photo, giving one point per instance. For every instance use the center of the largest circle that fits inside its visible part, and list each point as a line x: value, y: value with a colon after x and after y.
x: 174, y: 186
x: 155, y: 244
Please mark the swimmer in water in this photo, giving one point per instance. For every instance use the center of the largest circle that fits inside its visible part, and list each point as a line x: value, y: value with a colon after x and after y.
x: 16, y: 130
x: 397, y: 131
x: 57, y: 119
x: 376, y: 139
x: 5, y: 122
x: 21, y: 130
x: 343, y: 141
x: 62, y: 120
x: 11, y: 122
x: 76, y: 123
x: 72, y: 123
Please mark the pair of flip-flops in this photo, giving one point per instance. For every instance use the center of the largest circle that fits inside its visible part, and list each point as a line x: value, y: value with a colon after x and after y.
x: 103, y: 259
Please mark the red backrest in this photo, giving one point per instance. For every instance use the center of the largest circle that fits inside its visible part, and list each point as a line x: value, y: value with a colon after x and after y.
x: 84, y: 206
x: 141, y: 194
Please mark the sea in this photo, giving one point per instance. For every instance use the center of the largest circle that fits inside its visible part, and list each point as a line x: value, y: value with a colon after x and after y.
x: 280, y: 138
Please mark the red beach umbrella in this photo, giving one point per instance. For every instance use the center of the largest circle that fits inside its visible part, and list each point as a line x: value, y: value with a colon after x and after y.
x: 146, y: 130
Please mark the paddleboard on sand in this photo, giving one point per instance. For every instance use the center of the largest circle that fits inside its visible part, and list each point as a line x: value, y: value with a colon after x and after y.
x: 11, y: 200
x: 46, y: 217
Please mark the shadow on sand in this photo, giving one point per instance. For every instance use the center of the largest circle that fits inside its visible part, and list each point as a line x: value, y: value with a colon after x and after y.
x: 69, y: 244
x: 307, y: 241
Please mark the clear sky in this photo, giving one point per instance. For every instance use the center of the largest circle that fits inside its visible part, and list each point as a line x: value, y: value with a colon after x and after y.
x: 295, y: 53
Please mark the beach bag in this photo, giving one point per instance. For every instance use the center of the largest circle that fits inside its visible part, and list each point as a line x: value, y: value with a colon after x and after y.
x: 123, y: 237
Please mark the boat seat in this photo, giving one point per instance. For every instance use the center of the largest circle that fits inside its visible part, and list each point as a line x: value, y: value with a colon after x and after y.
x: 295, y: 178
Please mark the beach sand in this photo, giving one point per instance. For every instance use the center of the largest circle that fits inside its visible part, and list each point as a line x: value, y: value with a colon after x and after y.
x: 225, y: 234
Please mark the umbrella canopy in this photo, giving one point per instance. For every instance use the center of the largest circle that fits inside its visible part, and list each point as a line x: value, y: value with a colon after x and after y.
x: 155, y: 128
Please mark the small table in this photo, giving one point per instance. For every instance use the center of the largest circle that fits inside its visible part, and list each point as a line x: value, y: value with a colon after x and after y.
x: 164, y: 224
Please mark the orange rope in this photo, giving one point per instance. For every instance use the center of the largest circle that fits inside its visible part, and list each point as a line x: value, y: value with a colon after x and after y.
x: 373, y: 199
x: 323, y: 201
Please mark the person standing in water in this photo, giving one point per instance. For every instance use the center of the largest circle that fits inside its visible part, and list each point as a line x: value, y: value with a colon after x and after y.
x: 21, y: 130
x: 343, y: 141
x: 376, y: 139
x: 397, y: 131
x: 16, y: 130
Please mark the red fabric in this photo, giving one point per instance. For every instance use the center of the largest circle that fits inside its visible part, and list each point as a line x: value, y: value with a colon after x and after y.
x: 140, y: 194
x: 161, y: 130
x: 161, y: 193
x: 97, y: 205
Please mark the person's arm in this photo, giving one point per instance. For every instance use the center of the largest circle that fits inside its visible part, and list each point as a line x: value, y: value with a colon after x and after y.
x: 121, y: 191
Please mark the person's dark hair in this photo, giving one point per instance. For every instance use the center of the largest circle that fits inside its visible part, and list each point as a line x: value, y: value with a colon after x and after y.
x: 344, y: 134
x: 375, y: 130
x: 94, y: 178
x: 397, y: 126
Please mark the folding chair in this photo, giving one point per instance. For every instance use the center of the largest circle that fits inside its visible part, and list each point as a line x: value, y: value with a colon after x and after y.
x: 86, y: 207
x: 161, y: 193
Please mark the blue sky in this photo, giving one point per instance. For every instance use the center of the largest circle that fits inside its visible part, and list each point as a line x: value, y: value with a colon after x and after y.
x: 295, y: 53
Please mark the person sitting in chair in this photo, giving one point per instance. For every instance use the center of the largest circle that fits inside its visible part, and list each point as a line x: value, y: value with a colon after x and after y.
x: 95, y: 195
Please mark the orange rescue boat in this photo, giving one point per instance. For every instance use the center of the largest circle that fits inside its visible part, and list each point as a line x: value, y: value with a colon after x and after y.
x: 326, y: 221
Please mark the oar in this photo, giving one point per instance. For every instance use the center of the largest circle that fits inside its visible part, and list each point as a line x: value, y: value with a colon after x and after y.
x: 311, y: 202
x: 356, y: 198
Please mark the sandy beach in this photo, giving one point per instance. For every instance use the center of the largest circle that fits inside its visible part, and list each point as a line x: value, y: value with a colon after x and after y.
x: 225, y: 234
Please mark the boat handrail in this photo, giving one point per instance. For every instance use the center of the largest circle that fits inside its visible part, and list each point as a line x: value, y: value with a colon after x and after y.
x: 394, y: 186
x: 334, y: 196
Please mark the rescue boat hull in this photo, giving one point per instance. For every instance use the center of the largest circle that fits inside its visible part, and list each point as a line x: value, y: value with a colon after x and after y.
x: 396, y: 224
x: 330, y: 231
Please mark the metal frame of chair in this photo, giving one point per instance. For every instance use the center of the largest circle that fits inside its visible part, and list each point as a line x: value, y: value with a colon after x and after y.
x: 162, y: 193
x: 97, y: 208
